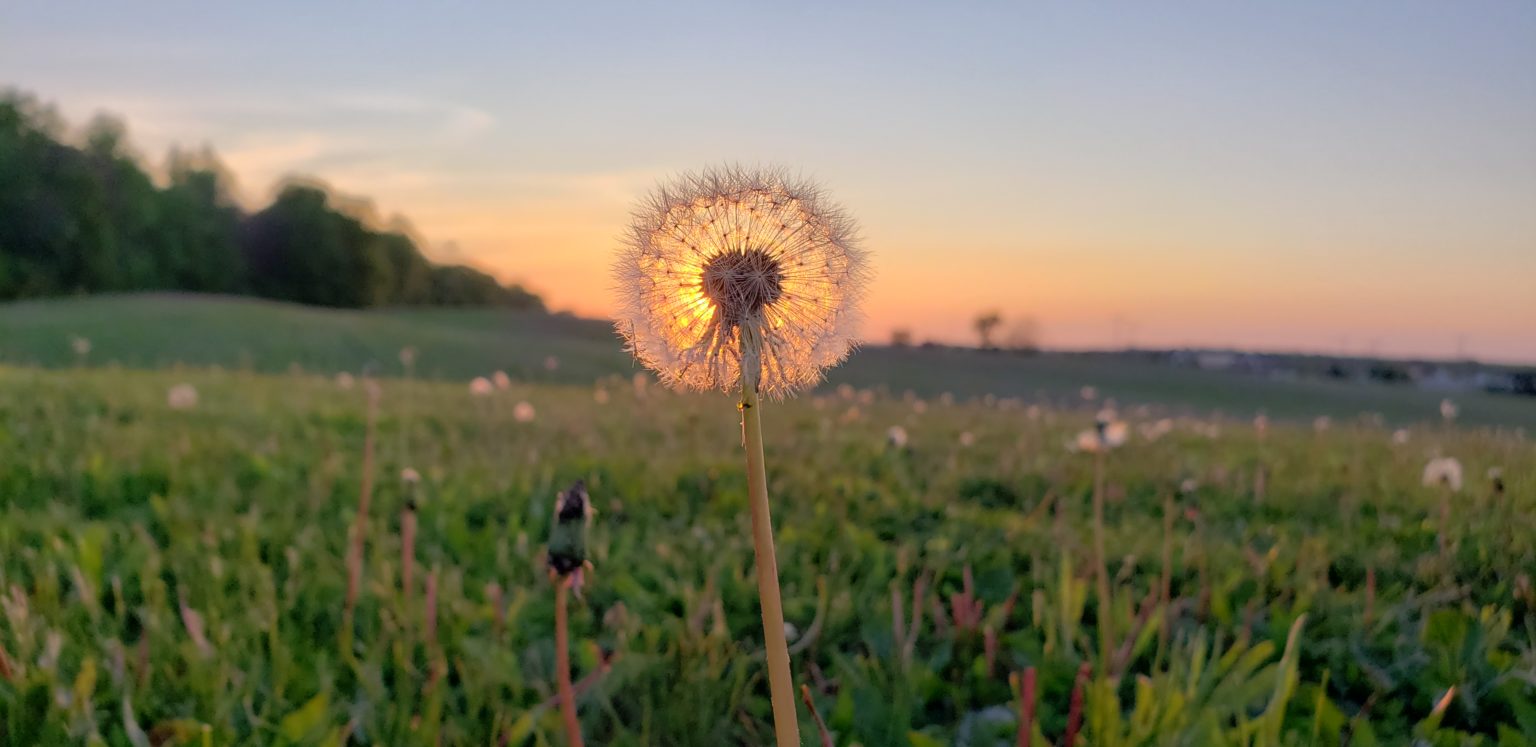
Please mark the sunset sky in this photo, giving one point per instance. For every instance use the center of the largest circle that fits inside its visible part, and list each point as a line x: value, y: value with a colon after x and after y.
x: 1324, y: 176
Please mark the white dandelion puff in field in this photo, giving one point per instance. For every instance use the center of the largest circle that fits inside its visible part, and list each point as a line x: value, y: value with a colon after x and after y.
x: 732, y: 262
x: 410, y: 476
x: 1400, y: 436
x: 181, y: 397
x: 947, y: 400
x: 407, y: 356
x: 1106, y: 434
x: 846, y: 391
x: 919, y: 406
x: 344, y: 380
x: 501, y: 380
x: 523, y: 412
x: 551, y: 363
x: 1156, y: 429
x: 1261, y: 424
x: 600, y: 396
x: 1322, y: 423
x: 967, y: 439
x: 81, y: 345
x: 1444, y: 471
x: 896, y: 436
x: 481, y: 386
x: 1449, y: 410
x: 1088, y: 393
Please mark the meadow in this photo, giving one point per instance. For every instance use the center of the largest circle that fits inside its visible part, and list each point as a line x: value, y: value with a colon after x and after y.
x: 158, y: 331
x: 177, y: 575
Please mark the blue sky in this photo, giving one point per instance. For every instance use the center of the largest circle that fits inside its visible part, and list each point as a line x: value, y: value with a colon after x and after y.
x: 1302, y: 175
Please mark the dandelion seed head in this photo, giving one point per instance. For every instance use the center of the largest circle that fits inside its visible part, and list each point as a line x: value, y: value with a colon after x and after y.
x: 481, y: 386
x: 181, y: 397
x: 715, y: 257
x: 1444, y: 471
x: 1114, y: 434
x: 501, y: 380
x: 896, y: 436
x: 1106, y: 433
x: 1449, y: 410
x: 523, y: 412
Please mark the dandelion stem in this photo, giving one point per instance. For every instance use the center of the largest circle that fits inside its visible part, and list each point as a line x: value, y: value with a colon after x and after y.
x: 1026, y: 707
x: 360, y: 524
x: 821, y: 726
x: 781, y: 685
x: 1101, y: 568
x: 563, y: 665
x: 408, y: 563
x: 1075, y: 705
x: 1165, y: 581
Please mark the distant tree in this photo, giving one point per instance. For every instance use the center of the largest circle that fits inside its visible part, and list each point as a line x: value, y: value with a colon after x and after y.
x: 86, y: 217
x: 1023, y: 335
x: 457, y: 285
x: 901, y: 338
x: 407, y: 274
x: 299, y: 249
x: 985, y: 325
x: 200, y: 225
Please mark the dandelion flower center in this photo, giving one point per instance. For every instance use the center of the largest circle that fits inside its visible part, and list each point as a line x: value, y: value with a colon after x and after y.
x: 741, y: 282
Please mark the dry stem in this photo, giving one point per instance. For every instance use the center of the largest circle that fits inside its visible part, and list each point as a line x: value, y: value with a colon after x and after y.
x: 780, y: 681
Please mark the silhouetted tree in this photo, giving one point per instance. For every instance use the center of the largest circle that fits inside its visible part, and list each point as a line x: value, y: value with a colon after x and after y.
x: 985, y: 325
x: 88, y: 218
x: 1023, y: 335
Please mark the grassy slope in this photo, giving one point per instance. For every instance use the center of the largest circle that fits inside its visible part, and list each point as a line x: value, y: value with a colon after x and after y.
x: 157, y: 331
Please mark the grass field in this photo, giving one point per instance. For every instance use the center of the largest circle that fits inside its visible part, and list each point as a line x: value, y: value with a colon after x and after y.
x: 160, y: 331
x: 177, y: 576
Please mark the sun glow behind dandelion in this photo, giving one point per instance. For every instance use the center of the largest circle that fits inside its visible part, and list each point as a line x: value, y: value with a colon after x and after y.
x: 713, y: 256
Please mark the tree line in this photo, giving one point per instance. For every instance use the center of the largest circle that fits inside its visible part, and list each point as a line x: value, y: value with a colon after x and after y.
x: 82, y: 215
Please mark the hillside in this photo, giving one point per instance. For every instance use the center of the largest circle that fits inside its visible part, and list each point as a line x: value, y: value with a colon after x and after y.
x: 165, y: 330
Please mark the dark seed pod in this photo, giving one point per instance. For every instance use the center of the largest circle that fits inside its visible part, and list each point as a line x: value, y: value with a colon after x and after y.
x: 568, y: 533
